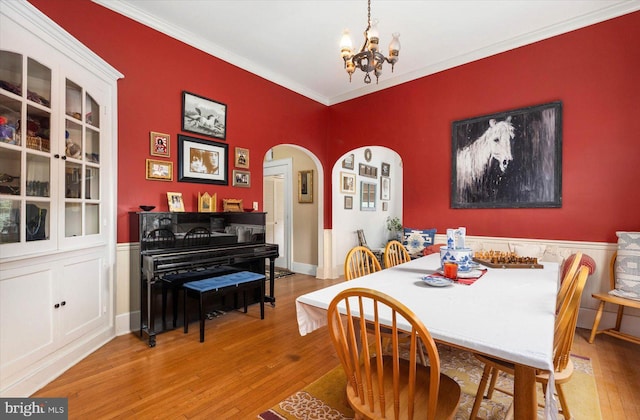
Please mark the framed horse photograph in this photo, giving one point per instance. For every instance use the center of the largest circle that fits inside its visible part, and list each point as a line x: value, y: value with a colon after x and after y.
x: 511, y: 159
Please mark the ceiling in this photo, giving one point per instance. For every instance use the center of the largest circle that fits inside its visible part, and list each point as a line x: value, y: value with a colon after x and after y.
x: 295, y: 43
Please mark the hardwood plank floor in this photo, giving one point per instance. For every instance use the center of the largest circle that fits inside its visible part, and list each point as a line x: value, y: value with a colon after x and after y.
x: 247, y: 365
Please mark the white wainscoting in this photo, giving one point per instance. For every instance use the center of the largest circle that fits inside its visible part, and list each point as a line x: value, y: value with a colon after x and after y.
x: 601, y: 253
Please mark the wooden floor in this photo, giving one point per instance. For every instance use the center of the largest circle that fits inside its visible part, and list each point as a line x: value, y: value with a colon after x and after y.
x: 247, y: 365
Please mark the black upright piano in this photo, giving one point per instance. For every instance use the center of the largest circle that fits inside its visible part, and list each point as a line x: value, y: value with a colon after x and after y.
x: 185, y: 246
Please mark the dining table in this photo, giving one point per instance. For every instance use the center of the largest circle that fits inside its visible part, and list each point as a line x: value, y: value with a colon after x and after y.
x: 506, y: 313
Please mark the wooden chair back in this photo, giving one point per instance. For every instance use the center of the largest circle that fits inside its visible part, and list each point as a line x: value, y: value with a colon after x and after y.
x: 390, y: 386
x: 567, y: 318
x: 567, y: 278
x: 395, y: 253
x: 360, y: 261
x: 197, y: 236
x: 162, y: 238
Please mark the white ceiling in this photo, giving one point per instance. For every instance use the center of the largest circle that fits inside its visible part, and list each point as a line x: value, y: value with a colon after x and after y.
x: 295, y: 43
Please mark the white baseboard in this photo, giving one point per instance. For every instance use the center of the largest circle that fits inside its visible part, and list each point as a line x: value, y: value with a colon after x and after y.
x: 303, y: 268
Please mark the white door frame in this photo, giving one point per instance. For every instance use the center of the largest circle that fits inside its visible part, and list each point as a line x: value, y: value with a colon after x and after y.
x: 284, y: 167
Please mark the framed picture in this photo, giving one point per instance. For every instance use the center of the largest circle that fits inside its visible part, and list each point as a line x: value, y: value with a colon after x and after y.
x: 348, y: 202
x: 511, y: 159
x: 367, y: 170
x: 385, y: 188
x: 159, y: 170
x: 347, y: 162
x: 305, y: 186
x: 175, y: 202
x: 347, y: 183
x: 204, y: 116
x: 202, y: 161
x: 385, y: 206
x: 241, y: 178
x: 159, y: 144
x: 368, y: 196
x: 207, y: 203
x: 385, y: 168
x: 242, y: 158
x: 232, y: 204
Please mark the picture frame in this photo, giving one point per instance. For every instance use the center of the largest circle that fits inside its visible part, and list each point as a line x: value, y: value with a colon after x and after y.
x: 202, y: 161
x: 385, y: 169
x: 523, y: 148
x: 385, y: 206
x: 159, y: 170
x: 175, y: 202
x: 348, y: 202
x: 241, y: 178
x: 347, y: 183
x: 242, y: 158
x: 385, y: 188
x: 159, y: 144
x: 367, y: 170
x: 207, y: 203
x: 232, y: 205
x: 368, y: 196
x: 204, y: 116
x: 305, y: 186
x: 348, y: 161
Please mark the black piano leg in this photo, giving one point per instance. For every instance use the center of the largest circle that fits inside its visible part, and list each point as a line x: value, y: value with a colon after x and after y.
x: 272, y: 273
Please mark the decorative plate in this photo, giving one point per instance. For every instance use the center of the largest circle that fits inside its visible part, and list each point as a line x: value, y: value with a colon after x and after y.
x: 437, y: 281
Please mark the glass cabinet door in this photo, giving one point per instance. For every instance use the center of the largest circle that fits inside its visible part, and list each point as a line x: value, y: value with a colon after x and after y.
x: 81, y: 162
x: 25, y: 149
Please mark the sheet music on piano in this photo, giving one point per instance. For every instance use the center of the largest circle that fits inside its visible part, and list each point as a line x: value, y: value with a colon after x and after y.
x: 186, y: 246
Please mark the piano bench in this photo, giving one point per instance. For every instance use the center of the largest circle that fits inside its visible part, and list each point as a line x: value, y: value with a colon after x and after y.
x: 234, y: 282
x: 174, y: 283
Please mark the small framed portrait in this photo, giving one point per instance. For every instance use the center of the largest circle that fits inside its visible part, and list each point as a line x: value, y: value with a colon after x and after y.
x: 385, y: 206
x: 159, y: 144
x: 347, y: 183
x: 305, y: 186
x: 241, y: 178
x: 175, y: 202
x: 159, y: 170
x: 347, y: 162
x: 348, y: 202
x: 385, y: 168
x: 242, y: 158
x: 207, y: 203
x: 232, y: 204
x: 385, y: 188
x: 204, y: 116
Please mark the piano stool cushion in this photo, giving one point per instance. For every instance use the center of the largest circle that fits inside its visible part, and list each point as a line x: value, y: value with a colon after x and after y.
x: 215, y: 283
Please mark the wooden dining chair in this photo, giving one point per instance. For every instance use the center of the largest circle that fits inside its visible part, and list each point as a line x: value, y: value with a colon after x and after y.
x: 564, y: 332
x: 360, y: 261
x: 390, y: 386
x: 395, y: 253
x: 569, y: 273
x: 621, y: 302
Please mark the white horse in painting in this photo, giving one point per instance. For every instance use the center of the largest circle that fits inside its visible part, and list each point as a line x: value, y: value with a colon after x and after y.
x: 473, y: 160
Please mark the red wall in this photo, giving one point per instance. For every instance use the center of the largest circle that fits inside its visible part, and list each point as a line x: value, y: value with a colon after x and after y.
x: 593, y: 71
x: 156, y: 69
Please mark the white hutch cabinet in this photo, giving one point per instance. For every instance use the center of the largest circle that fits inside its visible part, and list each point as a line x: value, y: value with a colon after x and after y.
x: 58, y: 171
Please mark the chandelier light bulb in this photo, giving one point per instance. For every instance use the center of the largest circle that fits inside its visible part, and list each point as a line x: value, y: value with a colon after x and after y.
x: 346, y: 44
x: 373, y: 36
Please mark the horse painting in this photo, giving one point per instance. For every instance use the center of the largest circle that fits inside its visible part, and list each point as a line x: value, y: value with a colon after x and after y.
x: 474, y: 161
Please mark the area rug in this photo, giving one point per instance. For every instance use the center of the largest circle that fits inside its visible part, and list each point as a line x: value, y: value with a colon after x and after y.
x: 325, y: 398
x: 278, y: 273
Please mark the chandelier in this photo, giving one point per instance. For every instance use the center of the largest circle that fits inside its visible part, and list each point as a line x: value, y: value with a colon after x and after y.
x: 369, y: 59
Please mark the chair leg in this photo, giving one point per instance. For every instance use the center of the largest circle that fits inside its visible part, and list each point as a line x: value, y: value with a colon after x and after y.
x: 480, y: 393
x: 596, y: 322
x: 619, y: 317
x: 492, y: 385
x: 563, y: 402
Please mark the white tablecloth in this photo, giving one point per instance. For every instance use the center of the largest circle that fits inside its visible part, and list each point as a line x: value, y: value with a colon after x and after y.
x: 507, y: 313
